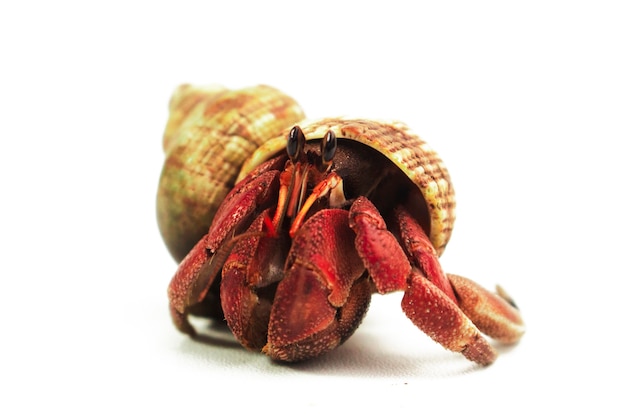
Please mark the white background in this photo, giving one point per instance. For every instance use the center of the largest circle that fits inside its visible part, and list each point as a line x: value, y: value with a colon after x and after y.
x: 525, y: 104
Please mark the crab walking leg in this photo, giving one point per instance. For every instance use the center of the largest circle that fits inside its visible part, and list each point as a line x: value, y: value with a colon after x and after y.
x: 441, y: 319
x: 378, y: 248
x: 191, y: 283
x: 428, y: 307
x: 421, y: 251
x: 493, y: 314
x: 324, y: 294
x: 239, y: 207
x: 247, y: 276
x: 200, y: 267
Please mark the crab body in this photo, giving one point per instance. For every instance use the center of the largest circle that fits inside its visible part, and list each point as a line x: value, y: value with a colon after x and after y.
x: 322, y: 216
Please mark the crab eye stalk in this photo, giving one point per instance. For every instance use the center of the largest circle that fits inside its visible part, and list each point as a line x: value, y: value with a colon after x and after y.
x: 328, y: 148
x: 295, y: 143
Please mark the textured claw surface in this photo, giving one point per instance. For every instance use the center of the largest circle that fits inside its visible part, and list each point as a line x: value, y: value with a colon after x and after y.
x: 246, y: 272
x: 421, y: 251
x: 441, y: 319
x: 308, y: 316
x: 379, y: 249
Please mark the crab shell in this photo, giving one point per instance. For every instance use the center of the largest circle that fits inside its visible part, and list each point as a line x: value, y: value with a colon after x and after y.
x: 210, y: 132
x: 419, y: 162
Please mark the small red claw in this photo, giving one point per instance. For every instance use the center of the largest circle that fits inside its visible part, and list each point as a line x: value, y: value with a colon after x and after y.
x: 240, y: 204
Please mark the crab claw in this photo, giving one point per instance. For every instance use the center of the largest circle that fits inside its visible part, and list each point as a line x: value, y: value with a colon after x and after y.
x: 324, y: 294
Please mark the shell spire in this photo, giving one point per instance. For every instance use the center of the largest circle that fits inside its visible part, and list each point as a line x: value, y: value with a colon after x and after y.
x: 210, y: 133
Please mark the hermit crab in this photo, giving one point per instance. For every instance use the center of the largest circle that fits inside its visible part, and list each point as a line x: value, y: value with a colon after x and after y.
x: 285, y: 227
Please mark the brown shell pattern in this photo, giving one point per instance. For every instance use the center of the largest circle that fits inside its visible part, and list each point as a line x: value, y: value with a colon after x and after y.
x: 406, y: 149
x: 212, y: 131
x: 209, y: 134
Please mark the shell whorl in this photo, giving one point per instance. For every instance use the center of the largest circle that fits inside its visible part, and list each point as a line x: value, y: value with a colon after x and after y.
x: 209, y: 134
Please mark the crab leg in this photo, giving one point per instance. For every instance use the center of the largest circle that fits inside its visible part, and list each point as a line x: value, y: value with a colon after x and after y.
x: 428, y: 307
x: 440, y: 318
x: 493, y: 314
x: 199, y: 268
x: 254, y: 265
x: 421, y: 251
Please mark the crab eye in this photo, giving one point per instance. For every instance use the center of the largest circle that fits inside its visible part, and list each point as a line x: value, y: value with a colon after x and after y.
x: 295, y: 143
x: 328, y: 147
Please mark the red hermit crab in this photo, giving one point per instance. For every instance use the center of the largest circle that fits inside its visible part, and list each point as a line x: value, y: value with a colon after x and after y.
x: 323, y: 214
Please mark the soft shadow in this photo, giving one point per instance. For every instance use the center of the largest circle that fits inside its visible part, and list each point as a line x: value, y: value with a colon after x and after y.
x: 362, y: 356
x: 215, y: 345
x: 503, y: 348
x: 214, y: 333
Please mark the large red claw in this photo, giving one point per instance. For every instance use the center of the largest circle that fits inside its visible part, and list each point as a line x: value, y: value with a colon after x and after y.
x: 321, y: 300
x: 303, y: 321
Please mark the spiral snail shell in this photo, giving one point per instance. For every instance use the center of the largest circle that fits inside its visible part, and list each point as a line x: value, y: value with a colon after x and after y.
x: 209, y: 134
x: 419, y: 162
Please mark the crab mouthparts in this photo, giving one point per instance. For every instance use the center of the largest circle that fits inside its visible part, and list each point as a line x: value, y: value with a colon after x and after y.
x: 293, y: 201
